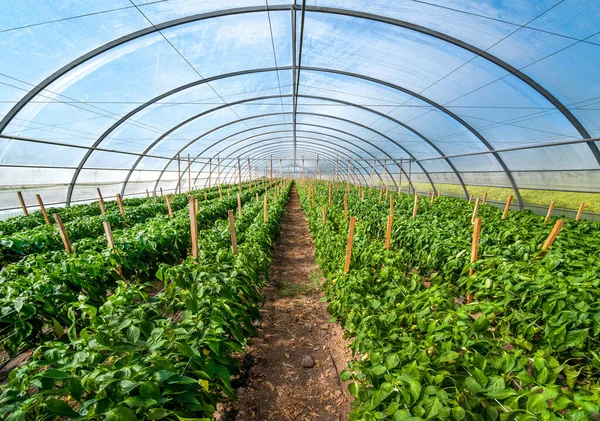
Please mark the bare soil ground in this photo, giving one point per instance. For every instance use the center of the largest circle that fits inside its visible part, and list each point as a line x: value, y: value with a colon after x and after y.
x: 296, y: 360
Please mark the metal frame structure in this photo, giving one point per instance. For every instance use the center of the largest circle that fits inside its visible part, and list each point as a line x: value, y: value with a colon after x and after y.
x: 296, y: 69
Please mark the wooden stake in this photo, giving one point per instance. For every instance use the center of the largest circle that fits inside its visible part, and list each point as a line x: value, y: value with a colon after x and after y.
x: 432, y: 197
x: 578, y: 217
x: 484, y: 198
x: 42, y: 208
x: 147, y: 193
x: 120, y: 204
x: 507, y: 207
x: 549, y: 214
x: 63, y: 233
x: 553, y: 234
x: 388, y: 231
x: 189, y: 174
x: 161, y: 192
x: 439, y: 193
x: 265, y: 208
x: 239, y: 176
x: 349, y: 246
x: 470, y: 199
x: 239, y: 200
x: 416, y: 205
x: 25, y: 211
x: 324, y: 212
x: 475, y: 242
x: 232, y: 232
x: 392, y: 205
x: 312, y: 190
x: 380, y: 194
x: 194, y: 227
x: 475, y: 210
x: 330, y: 195
x: 346, y: 206
x: 169, y: 206
x: 220, y: 192
x: 101, y: 200
x: 154, y: 195
x: 109, y: 235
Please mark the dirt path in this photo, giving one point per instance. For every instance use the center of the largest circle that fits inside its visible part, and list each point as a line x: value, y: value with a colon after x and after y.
x: 297, y: 358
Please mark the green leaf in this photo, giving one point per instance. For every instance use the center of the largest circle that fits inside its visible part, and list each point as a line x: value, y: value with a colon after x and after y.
x: 448, y: 356
x: 481, y: 325
x: 120, y: 413
x: 58, y: 329
x: 576, y: 338
x: 61, y: 408
x: 133, y: 334
x: 75, y: 388
x: 157, y: 413
x: 536, y: 403
x: 150, y: 390
x: 54, y: 374
x: 392, y: 361
x: 458, y: 413
x: 378, y: 370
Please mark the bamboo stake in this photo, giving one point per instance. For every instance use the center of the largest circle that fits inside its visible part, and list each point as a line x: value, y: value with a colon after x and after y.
x: 42, y: 208
x: 169, y: 206
x: 265, y: 208
x: 484, y: 198
x: 63, y: 233
x: 232, y: 232
x: 220, y: 192
x: 549, y: 214
x: 475, y: 210
x: 346, y: 206
x: 507, y: 207
x: 323, y: 211
x: 120, y: 204
x: 194, y: 227
x: 349, y: 246
x: 388, y: 231
x: 101, y: 200
x: 579, y: 211
x: 239, y: 200
x: 475, y: 243
x: 23, y: 206
x: 416, y: 205
x: 553, y: 234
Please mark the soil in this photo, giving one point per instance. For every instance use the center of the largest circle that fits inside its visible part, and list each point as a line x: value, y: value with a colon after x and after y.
x: 295, y: 362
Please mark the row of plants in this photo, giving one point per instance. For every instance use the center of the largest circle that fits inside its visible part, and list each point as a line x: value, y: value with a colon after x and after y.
x: 47, y: 238
x: 514, y: 341
x: 69, y: 213
x: 35, y: 292
x: 155, y: 355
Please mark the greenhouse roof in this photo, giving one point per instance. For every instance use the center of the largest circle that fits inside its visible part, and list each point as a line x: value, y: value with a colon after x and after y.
x: 108, y: 93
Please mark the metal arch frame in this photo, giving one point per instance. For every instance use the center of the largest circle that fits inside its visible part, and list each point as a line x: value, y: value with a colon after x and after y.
x: 350, y: 151
x: 356, y: 176
x: 298, y: 131
x: 336, y: 11
x: 314, y: 147
x: 307, y: 140
x: 333, y: 129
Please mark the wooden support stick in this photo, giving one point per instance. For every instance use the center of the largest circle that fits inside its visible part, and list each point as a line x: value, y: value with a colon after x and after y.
x: 484, y: 198
x: 161, y: 192
x: 239, y: 176
x: 324, y: 212
x: 239, y: 200
x: 507, y: 207
x: 42, y: 208
x: 432, y: 197
x: 232, y: 232
x: 349, y: 246
x: 169, y: 206
x: 475, y: 210
x: 154, y: 195
x: 392, y: 205
x: 330, y: 195
x: 265, y: 208
x: 220, y: 192
x: 475, y: 242
x: 346, y: 206
x: 553, y: 234
x: 439, y: 193
x: 101, y: 200
x: 205, y: 196
x: 189, y: 171
x: 120, y: 204
x: 380, y: 194
x: 23, y: 206
x: 470, y: 199
x: 579, y: 211
x: 194, y: 227
x: 549, y: 214
x: 63, y: 233
x: 109, y: 235
x: 388, y: 231
x: 416, y: 205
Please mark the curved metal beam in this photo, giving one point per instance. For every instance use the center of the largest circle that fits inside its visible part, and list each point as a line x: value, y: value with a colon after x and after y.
x: 315, y: 147
x: 314, y: 144
x: 298, y: 131
x: 336, y: 11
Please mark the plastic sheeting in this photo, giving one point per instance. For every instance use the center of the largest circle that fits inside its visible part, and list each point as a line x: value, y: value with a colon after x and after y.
x: 476, y: 93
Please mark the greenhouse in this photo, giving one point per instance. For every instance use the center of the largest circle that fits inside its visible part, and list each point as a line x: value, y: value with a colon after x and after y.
x: 311, y: 210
